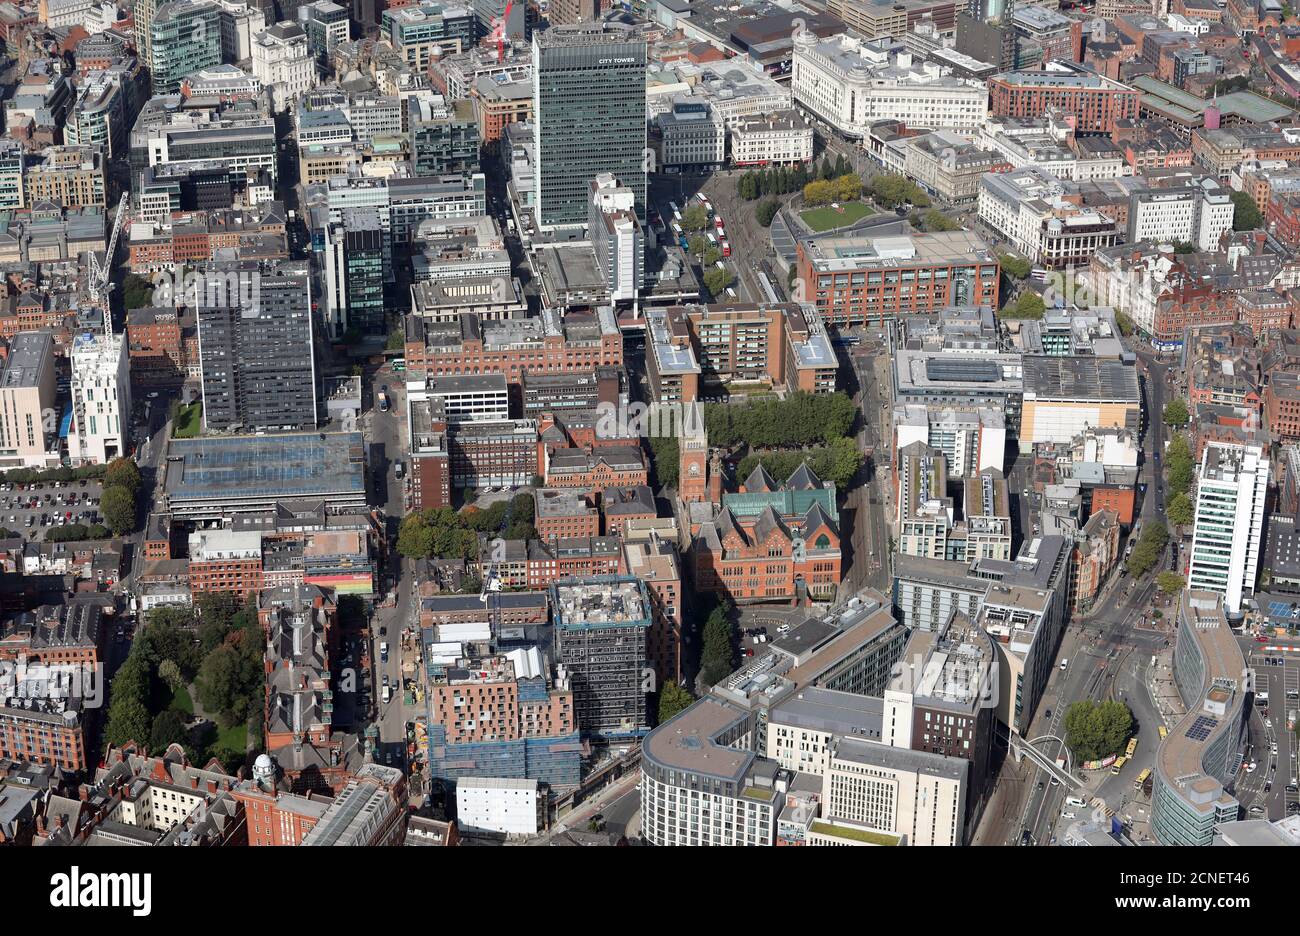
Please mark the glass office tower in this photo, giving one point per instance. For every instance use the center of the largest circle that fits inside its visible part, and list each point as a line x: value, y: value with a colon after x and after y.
x: 589, y: 85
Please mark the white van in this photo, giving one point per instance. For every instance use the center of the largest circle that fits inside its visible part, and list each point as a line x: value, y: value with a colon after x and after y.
x: 1068, y: 815
x: 388, y: 694
x: 1073, y: 801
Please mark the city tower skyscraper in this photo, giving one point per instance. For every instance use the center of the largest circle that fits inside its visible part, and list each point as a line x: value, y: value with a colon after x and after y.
x: 589, y: 85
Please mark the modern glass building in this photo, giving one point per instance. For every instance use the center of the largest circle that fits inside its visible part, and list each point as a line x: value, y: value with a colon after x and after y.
x: 185, y: 36
x: 589, y: 85
x: 363, y: 259
x: 1198, y: 761
x: 443, y: 138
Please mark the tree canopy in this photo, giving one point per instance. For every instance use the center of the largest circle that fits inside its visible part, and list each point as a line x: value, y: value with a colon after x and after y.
x: 718, y: 656
x: 717, y: 281
x: 665, y: 459
x: 1180, y: 510
x: 1015, y: 267
x: 218, y: 645
x: 118, y: 507
x: 122, y: 472
x: 936, y: 220
x: 695, y: 218
x: 444, y: 533
x: 846, y: 188
x: 1096, y: 730
x: 1246, y: 216
x: 1179, y: 467
x: 780, y: 180
x: 1176, y: 414
x: 798, y: 420
x: 673, y: 699
x: 1028, y: 305
x: 1149, y: 547
x: 892, y: 190
x: 1171, y: 583
x: 837, y: 463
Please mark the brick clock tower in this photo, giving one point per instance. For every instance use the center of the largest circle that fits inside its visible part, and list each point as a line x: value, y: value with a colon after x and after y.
x: 693, y: 469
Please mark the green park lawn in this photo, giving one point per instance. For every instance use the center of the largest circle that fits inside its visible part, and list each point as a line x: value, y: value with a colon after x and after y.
x: 189, y: 420
x: 236, y: 738
x: 825, y: 218
x: 182, y: 702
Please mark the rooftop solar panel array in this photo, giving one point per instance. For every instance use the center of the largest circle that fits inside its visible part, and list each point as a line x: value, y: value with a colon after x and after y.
x: 1201, y: 729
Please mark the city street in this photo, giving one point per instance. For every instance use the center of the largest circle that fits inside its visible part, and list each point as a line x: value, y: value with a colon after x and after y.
x: 751, y: 248
x: 1107, y: 653
x: 386, y: 435
x: 1102, y: 651
x: 866, y: 558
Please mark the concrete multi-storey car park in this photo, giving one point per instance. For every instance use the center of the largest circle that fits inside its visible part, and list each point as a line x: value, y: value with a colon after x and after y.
x: 210, y: 478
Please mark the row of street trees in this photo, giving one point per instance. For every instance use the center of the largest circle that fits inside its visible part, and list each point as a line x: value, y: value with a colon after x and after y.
x: 846, y: 188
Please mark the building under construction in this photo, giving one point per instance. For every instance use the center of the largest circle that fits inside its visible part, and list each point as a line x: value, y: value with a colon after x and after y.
x: 601, y: 629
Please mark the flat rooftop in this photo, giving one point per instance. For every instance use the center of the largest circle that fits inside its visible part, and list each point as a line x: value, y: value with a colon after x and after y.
x: 29, y: 355
x: 289, y: 465
x: 1080, y: 378
x: 865, y: 251
x: 839, y: 713
x: 1181, y: 757
x: 687, y: 741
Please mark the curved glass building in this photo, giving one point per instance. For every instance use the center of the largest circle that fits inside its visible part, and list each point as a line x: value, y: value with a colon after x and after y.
x: 1198, y: 761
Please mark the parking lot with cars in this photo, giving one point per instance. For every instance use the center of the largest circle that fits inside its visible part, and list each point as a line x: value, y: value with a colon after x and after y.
x: 32, y: 509
x: 1273, y: 781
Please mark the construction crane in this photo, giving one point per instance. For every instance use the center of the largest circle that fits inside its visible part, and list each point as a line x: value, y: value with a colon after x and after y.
x: 101, y: 286
x: 501, y: 31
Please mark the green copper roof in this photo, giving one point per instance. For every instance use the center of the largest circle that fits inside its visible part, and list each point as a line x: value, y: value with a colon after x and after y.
x: 785, y: 503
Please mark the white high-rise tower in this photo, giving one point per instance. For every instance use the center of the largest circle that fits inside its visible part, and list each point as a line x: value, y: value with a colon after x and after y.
x: 1229, y: 528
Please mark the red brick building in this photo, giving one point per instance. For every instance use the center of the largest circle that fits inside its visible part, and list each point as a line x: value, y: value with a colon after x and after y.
x: 1118, y: 499
x: 1282, y: 405
x: 562, y: 514
x: 276, y: 817
x: 594, y: 469
x: 759, y: 559
x: 575, y: 558
x: 222, y: 561
x: 621, y: 504
x: 155, y: 346
x: 1096, y: 102
x: 852, y: 282
x: 554, y: 343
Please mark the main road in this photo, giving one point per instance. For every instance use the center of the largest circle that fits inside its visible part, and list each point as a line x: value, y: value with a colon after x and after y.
x: 1106, y: 656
